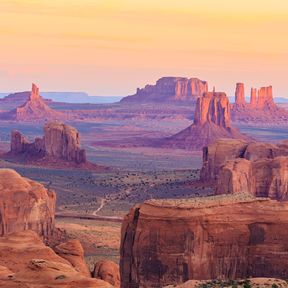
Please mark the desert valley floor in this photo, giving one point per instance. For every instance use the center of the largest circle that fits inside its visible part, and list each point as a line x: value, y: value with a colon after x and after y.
x: 133, y: 173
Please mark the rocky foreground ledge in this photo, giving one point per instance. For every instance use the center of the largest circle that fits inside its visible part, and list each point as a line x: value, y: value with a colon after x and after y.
x: 238, y: 236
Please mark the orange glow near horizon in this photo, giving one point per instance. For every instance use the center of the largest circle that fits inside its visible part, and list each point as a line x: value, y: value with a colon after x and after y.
x: 108, y: 47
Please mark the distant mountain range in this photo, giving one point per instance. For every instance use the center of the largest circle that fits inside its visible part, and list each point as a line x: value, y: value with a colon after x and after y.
x: 75, y: 97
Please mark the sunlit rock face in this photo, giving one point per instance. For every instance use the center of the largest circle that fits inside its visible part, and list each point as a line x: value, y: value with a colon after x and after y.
x: 222, y: 237
x: 60, y: 142
x: 212, y: 121
x: 169, y: 89
x: 25, y: 204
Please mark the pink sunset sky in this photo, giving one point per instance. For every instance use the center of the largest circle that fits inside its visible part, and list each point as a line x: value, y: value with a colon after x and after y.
x: 107, y: 47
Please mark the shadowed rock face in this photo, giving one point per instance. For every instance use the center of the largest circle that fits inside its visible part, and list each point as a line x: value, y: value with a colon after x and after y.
x: 25, y: 204
x: 169, y: 242
x: 169, y: 89
x: 60, y: 141
x: 26, y: 262
x: 211, y: 122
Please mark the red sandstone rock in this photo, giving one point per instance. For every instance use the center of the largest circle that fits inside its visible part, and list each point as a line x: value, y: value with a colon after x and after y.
x: 25, y: 204
x: 262, y: 178
x: 211, y: 122
x: 34, y: 109
x: 217, y: 154
x: 63, y: 141
x: 229, y: 237
x: 240, y: 94
x: 60, y: 142
x: 107, y: 271
x: 253, y: 98
x: 26, y: 262
x: 169, y: 89
x: 73, y: 252
x: 261, y: 109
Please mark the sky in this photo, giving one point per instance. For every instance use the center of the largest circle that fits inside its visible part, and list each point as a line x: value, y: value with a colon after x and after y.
x: 109, y: 47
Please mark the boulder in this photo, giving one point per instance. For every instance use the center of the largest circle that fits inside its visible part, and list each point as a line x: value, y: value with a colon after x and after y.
x: 73, y: 252
x: 107, y: 271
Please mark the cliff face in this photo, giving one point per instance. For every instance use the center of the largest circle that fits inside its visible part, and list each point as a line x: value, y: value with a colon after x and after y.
x: 217, y: 154
x: 169, y: 241
x: 60, y: 142
x: 63, y: 142
x: 262, y: 178
x: 213, y: 107
x: 169, y: 89
x: 240, y: 94
x: 211, y: 122
x: 25, y: 204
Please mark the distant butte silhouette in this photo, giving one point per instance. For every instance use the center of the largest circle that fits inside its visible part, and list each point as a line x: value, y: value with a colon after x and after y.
x: 34, y: 109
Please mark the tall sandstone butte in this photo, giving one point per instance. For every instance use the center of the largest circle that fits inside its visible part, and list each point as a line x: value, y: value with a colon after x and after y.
x: 25, y: 204
x: 240, y: 94
x: 169, y: 89
x: 34, y: 109
x: 212, y: 121
x: 60, y: 142
x: 222, y: 237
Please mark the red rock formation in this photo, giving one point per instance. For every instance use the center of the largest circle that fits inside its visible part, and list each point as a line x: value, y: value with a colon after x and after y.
x: 262, y: 178
x: 253, y: 98
x: 107, y: 271
x: 34, y: 109
x: 240, y: 94
x: 211, y: 122
x: 260, y: 110
x: 73, y: 252
x: 26, y: 262
x: 213, y: 107
x: 25, y: 204
x: 229, y: 237
x: 60, y: 142
x: 217, y: 154
x: 169, y: 89
x: 265, y: 98
x: 63, y: 142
